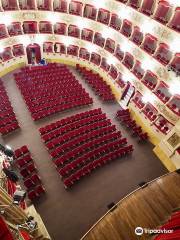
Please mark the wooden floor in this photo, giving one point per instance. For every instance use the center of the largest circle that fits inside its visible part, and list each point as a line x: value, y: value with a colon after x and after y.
x: 69, y: 214
x: 147, y: 208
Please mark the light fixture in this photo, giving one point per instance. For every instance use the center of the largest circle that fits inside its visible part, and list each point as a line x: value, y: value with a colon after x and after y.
x: 111, y: 60
x: 124, y: 13
x: 8, y: 147
x: 105, y: 33
x: 174, y: 45
x: 53, y: 18
x: 174, y: 87
x: 1, y: 49
x: 175, y: 2
x: 81, y: 23
x: 126, y: 46
x: 25, y: 40
x: 39, y: 38
x: 147, y: 26
x: 100, y: 3
x: 91, y: 48
x: 7, y: 20
x: 148, y: 97
x: 68, y: 41
x: 147, y: 64
x: 127, y: 77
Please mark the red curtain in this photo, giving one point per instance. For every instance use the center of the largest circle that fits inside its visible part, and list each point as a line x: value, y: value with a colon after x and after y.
x: 125, y: 91
x: 25, y: 235
x: 36, y: 48
x: 5, y: 233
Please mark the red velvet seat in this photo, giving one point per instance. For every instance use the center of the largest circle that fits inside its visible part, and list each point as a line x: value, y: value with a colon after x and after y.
x: 28, y: 183
x: 40, y: 189
x: 35, y: 178
x: 162, y: 11
x: 147, y: 7
x: 24, y: 149
x: 21, y: 162
x: 24, y: 172
x: 32, y: 195
x: 175, y: 21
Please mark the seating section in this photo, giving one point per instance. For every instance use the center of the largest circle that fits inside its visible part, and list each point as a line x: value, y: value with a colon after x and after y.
x: 125, y: 118
x: 102, y: 89
x: 8, y: 121
x: 83, y: 142
x: 28, y: 171
x: 172, y: 224
x: 50, y: 89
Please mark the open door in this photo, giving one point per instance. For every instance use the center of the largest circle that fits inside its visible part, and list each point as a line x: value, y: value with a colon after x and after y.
x: 33, y: 53
x: 127, y: 95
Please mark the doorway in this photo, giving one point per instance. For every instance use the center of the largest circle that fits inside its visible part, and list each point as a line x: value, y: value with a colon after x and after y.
x: 127, y: 95
x: 33, y: 53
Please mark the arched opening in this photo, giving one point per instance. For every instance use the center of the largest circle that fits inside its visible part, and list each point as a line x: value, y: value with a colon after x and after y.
x: 33, y: 53
x: 127, y: 95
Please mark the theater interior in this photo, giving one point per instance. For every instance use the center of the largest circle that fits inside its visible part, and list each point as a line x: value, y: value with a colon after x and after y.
x: 90, y: 120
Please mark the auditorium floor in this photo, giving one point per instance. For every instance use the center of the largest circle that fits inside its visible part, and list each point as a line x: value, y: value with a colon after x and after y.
x: 69, y: 214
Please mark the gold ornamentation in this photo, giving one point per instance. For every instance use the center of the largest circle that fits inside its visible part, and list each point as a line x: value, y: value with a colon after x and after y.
x: 66, y: 19
x: 29, y: 15
x: 120, y: 68
x: 167, y: 35
x: 52, y: 38
x: 163, y: 109
x: 162, y: 73
x: 11, y: 41
x: 158, y: 30
x: 111, y: 5
x: 102, y: 52
x: 138, y: 86
x: 174, y: 140
x: 137, y: 53
x: 80, y: 43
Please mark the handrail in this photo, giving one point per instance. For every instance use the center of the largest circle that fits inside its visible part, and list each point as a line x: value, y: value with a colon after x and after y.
x: 124, y: 198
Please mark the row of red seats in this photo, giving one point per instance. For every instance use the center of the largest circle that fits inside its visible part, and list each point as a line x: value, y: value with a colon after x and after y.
x: 91, y: 155
x: 101, y: 88
x: 73, y: 125
x: 90, y: 132
x: 85, y: 128
x: 68, y: 120
x: 21, y: 151
x: 46, y: 94
x: 28, y: 171
x: 163, y: 12
x: 125, y: 117
x: 89, y: 146
x: 86, y: 170
x: 64, y: 107
x: 80, y: 139
x: 173, y: 224
x: 8, y: 121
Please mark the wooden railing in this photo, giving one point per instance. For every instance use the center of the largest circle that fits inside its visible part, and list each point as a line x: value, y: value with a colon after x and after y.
x: 124, y: 199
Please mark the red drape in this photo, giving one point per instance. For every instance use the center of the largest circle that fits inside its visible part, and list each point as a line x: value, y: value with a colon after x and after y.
x: 25, y: 235
x: 5, y: 233
x: 125, y: 91
x: 37, y: 50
